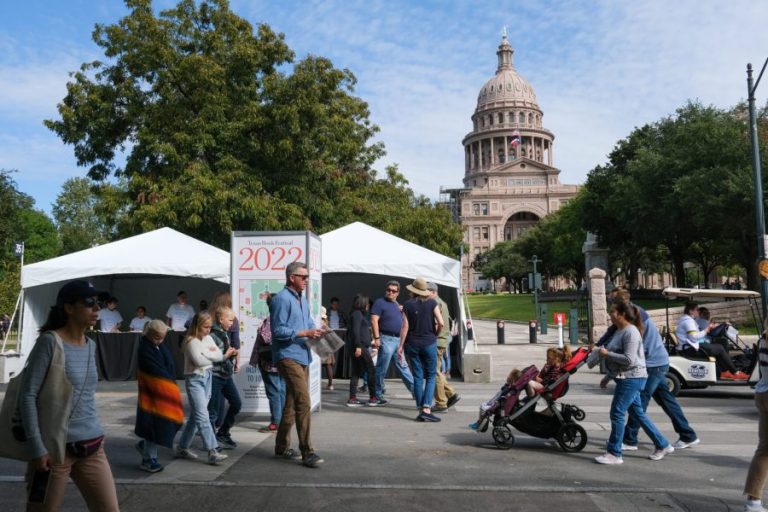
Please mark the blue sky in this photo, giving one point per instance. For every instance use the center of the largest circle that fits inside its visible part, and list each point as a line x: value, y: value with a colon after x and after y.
x: 599, y: 69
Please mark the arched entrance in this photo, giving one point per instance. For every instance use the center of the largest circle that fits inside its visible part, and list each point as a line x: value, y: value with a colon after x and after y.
x: 518, y: 223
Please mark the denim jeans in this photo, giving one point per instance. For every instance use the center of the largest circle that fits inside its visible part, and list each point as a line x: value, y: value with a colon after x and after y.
x: 223, y: 387
x: 149, y: 450
x: 424, y: 365
x: 274, y: 385
x: 387, y: 355
x: 198, y: 393
x: 626, y: 397
x: 656, y: 386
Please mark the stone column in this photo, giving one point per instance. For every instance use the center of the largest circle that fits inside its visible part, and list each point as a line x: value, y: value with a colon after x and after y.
x: 597, y: 303
x: 493, y: 156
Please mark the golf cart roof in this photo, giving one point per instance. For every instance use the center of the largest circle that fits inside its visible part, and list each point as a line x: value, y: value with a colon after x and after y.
x: 704, y: 293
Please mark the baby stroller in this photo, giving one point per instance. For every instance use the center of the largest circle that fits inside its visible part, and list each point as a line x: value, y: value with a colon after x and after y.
x: 556, y: 421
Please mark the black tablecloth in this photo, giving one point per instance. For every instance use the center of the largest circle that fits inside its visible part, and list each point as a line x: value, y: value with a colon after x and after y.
x: 117, y: 354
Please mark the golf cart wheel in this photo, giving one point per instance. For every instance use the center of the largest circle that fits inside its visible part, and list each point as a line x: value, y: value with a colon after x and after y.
x: 571, y: 437
x: 579, y: 414
x: 673, y: 383
x: 503, y: 437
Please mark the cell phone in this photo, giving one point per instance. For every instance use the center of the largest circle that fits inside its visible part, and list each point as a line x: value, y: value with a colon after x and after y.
x: 38, y: 487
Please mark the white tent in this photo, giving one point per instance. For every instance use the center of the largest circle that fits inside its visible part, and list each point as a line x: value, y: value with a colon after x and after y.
x: 358, y: 258
x: 147, y: 269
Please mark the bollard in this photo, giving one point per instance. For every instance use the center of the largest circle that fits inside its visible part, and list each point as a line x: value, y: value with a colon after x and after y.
x: 559, y: 331
x: 532, y: 331
x: 543, y: 324
x: 500, y: 332
x: 573, y: 326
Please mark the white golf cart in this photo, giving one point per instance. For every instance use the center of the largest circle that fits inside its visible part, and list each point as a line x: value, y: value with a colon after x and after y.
x: 701, y: 371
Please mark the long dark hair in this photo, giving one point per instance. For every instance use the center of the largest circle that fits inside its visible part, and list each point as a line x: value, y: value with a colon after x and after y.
x: 630, y: 313
x: 360, y: 302
x: 57, y: 318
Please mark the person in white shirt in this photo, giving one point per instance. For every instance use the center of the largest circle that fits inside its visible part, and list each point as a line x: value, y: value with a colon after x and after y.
x: 110, y: 318
x: 140, y: 320
x: 180, y: 312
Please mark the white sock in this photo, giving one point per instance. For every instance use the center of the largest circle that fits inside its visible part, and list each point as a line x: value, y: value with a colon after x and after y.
x: 754, y: 503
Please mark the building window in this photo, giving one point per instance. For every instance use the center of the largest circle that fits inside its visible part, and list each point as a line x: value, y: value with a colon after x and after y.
x: 476, y: 208
x: 482, y: 122
x: 501, y: 118
x: 476, y: 233
x: 521, y: 118
x: 490, y: 120
x: 484, y: 208
x: 484, y: 232
x: 530, y: 118
x: 511, y: 117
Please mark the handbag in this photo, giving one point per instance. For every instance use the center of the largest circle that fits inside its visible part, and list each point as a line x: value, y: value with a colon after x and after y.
x: 54, y: 411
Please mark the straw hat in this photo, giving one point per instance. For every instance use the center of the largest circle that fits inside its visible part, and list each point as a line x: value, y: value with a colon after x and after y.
x: 419, y: 287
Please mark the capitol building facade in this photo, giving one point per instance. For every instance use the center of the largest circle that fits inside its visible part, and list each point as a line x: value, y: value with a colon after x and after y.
x: 510, y: 182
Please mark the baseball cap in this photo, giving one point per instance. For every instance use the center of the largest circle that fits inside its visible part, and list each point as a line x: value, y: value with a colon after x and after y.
x: 76, y: 290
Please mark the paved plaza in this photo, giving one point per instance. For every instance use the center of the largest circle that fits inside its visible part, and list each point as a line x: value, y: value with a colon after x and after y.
x: 381, y: 459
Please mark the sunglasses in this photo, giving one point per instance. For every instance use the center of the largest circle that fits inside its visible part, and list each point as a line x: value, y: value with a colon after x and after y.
x: 303, y: 277
x: 390, y: 290
x: 89, y: 302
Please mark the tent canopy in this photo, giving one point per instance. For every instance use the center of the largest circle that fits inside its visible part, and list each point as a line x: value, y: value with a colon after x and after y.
x: 160, y: 252
x: 360, y: 248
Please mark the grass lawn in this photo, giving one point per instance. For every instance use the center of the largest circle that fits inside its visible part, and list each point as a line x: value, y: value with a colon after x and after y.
x: 519, y: 307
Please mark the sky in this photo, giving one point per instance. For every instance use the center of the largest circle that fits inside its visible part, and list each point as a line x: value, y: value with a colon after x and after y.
x: 599, y: 69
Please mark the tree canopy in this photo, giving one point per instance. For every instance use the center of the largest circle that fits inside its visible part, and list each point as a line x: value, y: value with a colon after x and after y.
x: 213, y: 127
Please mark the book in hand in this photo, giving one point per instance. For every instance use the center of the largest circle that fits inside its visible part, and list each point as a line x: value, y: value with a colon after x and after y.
x: 327, y: 344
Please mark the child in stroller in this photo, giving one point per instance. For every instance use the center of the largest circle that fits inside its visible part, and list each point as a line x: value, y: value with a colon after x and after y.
x: 506, y: 409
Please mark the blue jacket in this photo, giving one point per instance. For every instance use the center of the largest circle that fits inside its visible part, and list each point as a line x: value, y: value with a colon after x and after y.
x: 288, y: 315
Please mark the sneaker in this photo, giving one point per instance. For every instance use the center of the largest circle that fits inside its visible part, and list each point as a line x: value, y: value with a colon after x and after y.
x: 226, y: 442
x: 740, y: 376
x: 311, y: 460
x: 151, y: 466
x: 609, y: 458
x: 354, y: 402
x: 726, y: 375
x: 681, y: 445
x: 661, y: 452
x: 628, y: 447
x: 215, y: 458
x: 376, y: 402
x: 439, y: 408
x: 184, y: 453
x: 474, y: 426
x: 429, y: 417
x: 269, y: 429
x: 330, y: 387
x: 754, y: 507
x: 289, y: 454
x: 452, y: 400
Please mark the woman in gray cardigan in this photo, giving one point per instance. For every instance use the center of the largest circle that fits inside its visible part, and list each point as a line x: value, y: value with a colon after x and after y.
x: 625, y: 360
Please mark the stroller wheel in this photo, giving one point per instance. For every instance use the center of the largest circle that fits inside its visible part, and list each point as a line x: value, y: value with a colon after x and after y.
x: 579, y: 414
x: 572, y: 437
x: 503, y: 437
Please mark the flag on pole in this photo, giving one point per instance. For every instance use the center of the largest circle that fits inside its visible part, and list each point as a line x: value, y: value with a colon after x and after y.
x: 18, y: 249
x: 515, y: 139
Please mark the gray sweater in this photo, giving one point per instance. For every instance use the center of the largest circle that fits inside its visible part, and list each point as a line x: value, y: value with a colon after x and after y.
x: 626, y: 358
x: 79, y: 361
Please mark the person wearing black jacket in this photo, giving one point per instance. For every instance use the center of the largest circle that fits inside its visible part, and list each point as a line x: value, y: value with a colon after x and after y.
x: 359, y: 343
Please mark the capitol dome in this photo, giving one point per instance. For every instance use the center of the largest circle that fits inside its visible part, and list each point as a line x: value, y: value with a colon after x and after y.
x: 506, y: 87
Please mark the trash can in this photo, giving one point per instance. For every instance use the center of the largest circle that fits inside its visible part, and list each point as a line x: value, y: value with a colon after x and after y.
x: 532, y: 331
x: 500, y: 332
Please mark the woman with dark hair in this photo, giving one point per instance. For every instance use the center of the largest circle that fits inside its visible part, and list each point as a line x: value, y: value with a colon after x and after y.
x: 63, y: 336
x: 692, y: 339
x: 359, y: 343
x: 625, y: 360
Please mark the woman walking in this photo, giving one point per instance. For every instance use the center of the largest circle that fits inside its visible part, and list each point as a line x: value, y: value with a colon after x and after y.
x: 274, y: 385
x: 418, y: 339
x: 758, y: 469
x: 85, y: 462
x: 200, y: 352
x: 160, y: 412
x: 359, y: 338
x: 625, y: 360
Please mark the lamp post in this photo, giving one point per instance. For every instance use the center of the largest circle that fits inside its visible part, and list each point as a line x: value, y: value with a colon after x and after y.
x: 759, y: 213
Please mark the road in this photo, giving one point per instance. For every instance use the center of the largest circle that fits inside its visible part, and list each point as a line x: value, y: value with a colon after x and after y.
x: 381, y: 459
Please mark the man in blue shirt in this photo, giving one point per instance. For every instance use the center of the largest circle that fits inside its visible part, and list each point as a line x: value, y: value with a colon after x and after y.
x: 657, y: 365
x: 386, y: 322
x: 292, y: 326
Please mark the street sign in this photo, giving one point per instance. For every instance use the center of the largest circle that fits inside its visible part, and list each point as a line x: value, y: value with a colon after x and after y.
x: 558, y: 317
x: 534, y: 281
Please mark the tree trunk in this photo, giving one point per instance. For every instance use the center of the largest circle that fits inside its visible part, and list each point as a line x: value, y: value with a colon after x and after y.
x: 677, y: 265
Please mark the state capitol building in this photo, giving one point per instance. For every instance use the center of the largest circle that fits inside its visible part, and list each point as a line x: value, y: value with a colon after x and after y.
x: 510, y: 181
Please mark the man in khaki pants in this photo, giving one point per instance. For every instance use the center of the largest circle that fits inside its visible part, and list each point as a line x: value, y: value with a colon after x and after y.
x: 445, y: 395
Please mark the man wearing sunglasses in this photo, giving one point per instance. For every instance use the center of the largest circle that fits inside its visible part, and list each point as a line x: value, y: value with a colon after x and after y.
x: 292, y: 326
x: 386, y: 322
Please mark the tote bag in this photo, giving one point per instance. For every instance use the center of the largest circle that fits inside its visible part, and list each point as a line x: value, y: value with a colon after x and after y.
x: 54, y: 410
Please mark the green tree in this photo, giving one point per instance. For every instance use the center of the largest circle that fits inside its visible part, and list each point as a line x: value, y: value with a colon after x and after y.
x: 503, y: 261
x: 217, y: 135
x: 77, y: 216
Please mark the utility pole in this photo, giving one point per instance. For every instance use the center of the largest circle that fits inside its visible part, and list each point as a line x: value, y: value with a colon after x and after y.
x: 534, y: 282
x: 759, y: 211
